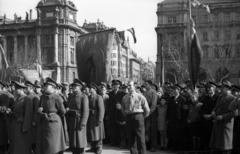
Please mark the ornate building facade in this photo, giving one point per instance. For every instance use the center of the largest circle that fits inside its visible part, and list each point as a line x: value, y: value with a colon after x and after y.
x: 50, y: 39
x: 219, y: 35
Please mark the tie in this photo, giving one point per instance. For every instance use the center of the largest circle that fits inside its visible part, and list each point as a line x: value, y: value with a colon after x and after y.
x: 131, y: 103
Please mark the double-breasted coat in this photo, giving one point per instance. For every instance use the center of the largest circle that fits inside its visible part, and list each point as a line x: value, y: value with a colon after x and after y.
x: 222, y: 133
x: 50, y: 136
x: 114, y: 98
x: 35, y: 105
x: 77, y: 116
x: 21, y: 118
x: 95, y: 128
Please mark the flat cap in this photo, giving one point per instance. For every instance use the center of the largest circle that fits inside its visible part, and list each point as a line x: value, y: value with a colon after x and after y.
x: 77, y: 82
x: 50, y: 81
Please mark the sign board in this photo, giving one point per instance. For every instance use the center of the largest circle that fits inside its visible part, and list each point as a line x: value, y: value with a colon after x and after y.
x: 32, y: 75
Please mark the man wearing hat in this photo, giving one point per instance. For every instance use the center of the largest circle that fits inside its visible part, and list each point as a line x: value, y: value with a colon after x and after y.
x: 103, y: 93
x: 4, y: 104
x: 35, y: 100
x: 209, y: 102
x: 115, y: 99
x: 174, y: 118
x: 21, y: 119
x: 77, y: 116
x: 50, y: 137
x: 38, y: 88
x: 222, y: 133
x: 95, y: 127
x: 151, y: 125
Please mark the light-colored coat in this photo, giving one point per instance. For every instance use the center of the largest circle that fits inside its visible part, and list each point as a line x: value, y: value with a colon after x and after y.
x: 222, y: 133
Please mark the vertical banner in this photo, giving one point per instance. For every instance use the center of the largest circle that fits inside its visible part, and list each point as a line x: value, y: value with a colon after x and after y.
x: 93, y: 53
x: 3, y: 64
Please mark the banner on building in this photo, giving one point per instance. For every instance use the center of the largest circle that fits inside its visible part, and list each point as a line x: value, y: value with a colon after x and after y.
x: 93, y: 53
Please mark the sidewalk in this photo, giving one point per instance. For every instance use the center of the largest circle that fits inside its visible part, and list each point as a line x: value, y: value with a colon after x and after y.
x: 114, y: 150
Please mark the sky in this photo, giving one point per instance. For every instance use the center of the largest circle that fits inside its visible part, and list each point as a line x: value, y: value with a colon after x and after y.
x: 120, y: 14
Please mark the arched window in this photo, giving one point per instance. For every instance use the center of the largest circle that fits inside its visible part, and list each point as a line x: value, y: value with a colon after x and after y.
x: 171, y: 75
x: 222, y: 74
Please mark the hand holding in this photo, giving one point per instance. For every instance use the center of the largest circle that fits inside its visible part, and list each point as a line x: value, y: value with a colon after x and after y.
x: 40, y: 110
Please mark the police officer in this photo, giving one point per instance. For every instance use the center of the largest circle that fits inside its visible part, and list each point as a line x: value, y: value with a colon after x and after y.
x: 95, y: 128
x: 50, y: 136
x: 21, y: 119
x: 77, y: 115
x: 35, y: 100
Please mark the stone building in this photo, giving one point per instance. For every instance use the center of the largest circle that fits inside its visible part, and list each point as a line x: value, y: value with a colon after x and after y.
x: 50, y: 39
x: 123, y: 59
x: 219, y: 35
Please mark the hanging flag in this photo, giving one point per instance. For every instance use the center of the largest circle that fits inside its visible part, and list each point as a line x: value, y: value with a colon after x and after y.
x: 194, y: 58
x: 131, y: 30
x: 3, y: 64
x: 197, y: 3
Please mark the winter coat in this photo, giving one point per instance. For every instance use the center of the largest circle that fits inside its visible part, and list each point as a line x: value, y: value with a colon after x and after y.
x: 77, y: 116
x: 95, y: 128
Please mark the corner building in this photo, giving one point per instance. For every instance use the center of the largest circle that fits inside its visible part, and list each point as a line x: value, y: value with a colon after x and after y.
x: 218, y: 32
x: 50, y: 39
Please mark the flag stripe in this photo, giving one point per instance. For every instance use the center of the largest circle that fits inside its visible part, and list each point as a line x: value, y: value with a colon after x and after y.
x: 3, y: 64
x: 131, y: 30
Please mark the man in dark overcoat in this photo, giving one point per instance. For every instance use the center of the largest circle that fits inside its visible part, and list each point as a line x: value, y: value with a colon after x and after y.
x: 209, y: 102
x: 4, y: 104
x: 35, y: 100
x: 95, y: 127
x: 77, y: 116
x: 115, y: 97
x: 50, y: 136
x: 174, y: 118
x: 21, y: 119
x: 222, y: 133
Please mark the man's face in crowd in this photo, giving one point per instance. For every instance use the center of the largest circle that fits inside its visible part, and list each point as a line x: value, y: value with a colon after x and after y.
x: 76, y: 88
x: 131, y: 86
x: 211, y: 90
x: 49, y: 88
x: 115, y: 86
x: 103, y: 90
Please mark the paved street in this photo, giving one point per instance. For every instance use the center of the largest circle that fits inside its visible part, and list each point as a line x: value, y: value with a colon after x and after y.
x: 114, y: 150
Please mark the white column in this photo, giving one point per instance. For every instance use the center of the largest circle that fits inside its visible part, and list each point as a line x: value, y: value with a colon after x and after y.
x: 56, y: 46
x: 15, y: 49
x: 39, y: 52
x: 5, y: 44
x: 26, y: 48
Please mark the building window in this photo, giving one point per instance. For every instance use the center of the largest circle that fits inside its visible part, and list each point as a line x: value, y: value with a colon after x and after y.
x: 216, y: 36
x: 237, y: 51
x: 72, y: 55
x: 228, y: 51
x: 205, y: 36
x: 228, y: 35
x: 114, y: 55
x: 72, y: 41
x: 172, y: 19
x: 113, y: 63
x: 205, y: 18
x: 238, y: 36
x: 205, y: 52
x: 238, y: 16
x: 227, y: 17
x: 215, y: 17
x: 194, y: 17
x: 216, y: 53
x: 49, y: 40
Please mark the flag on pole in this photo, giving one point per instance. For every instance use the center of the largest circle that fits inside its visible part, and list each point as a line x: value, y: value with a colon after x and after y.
x: 131, y: 30
x: 194, y: 57
x: 3, y: 64
x: 121, y: 34
x: 197, y: 3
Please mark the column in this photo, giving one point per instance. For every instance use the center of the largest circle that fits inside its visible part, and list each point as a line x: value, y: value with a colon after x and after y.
x: 56, y: 46
x: 26, y: 48
x: 56, y: 62
x: 5, y: 44
x: 39, y: 52
x: 15, y: 49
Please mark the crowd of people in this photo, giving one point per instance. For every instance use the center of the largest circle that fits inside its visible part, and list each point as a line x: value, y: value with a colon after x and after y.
x: 46, y: 118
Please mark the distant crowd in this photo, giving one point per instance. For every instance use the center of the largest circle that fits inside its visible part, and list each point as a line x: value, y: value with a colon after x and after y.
x: 46, y: 118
